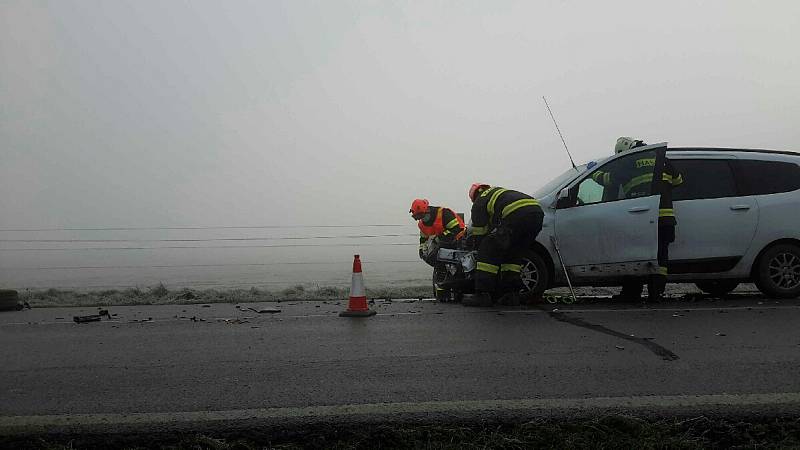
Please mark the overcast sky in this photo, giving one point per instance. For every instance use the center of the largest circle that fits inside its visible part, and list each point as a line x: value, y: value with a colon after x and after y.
x: 154, y: 113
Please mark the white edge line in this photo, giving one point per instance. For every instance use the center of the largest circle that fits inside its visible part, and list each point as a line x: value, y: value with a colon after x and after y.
x: 9, y: 424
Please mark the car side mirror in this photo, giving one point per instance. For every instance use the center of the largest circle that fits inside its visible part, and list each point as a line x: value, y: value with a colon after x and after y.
x: 564, y: 200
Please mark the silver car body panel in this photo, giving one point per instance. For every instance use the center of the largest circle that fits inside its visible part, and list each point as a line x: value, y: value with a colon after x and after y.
x: 707, y: 228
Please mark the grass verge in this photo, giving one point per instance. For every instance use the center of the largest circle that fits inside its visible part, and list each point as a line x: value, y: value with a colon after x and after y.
x: 625, y: 432
x: 161, y: 295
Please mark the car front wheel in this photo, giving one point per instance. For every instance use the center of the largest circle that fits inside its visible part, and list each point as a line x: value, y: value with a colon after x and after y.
x: 535, y: 275
x: 778, y: 271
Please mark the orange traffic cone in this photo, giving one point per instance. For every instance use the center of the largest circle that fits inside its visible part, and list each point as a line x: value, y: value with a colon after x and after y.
x: 358, y: 297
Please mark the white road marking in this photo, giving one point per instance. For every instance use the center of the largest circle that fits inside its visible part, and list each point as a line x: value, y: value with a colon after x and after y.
x: 43, y: 423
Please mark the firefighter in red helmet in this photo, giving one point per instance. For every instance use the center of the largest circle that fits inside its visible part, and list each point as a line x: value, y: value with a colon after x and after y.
x: 505, y: 224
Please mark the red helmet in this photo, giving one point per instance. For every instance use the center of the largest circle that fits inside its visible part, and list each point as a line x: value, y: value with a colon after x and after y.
x: 473, y: 190
x: 419, y: 207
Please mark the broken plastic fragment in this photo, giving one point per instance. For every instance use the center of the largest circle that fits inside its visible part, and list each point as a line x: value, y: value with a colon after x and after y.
x: 266, y: 310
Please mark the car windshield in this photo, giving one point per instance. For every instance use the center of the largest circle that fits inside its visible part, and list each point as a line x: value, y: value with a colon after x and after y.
x: 558, y: 181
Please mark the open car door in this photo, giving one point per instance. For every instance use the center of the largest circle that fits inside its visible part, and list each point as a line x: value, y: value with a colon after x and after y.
x: 606, y: 222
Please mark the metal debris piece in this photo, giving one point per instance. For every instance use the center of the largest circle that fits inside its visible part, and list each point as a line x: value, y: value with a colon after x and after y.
x: 149, y: 319
x: 619, y: 347
x: 206, y: 306
x: 720, y: 334
x: 89, y: 318
x: 265, y: 310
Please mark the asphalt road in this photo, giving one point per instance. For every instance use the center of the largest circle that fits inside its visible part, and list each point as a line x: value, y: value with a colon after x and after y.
x: 416, y: 356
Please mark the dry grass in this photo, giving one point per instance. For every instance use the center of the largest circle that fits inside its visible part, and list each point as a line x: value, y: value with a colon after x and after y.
x: 608, y: 432
x: 160, y: 295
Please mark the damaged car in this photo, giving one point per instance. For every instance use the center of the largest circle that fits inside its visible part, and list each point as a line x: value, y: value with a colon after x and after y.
x: 737, y: 213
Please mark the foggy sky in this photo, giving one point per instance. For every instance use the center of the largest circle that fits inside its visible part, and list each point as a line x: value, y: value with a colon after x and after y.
x: 158, y: 113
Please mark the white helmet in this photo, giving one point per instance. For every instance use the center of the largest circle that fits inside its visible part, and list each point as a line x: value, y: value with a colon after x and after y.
x: 625, y: 143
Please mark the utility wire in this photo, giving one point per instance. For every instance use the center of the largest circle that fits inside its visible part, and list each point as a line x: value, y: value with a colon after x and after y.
x: 359, y: 236
x: 199, y: 247
x: 190, y: 284
x: 206, y: 265
x: 254, y: 227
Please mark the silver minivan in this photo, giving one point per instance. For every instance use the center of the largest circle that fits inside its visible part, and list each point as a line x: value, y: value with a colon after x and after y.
x: 738, y: 215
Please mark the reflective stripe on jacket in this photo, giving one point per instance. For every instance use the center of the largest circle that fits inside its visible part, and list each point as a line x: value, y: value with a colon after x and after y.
x: 452, y: 229
x: 496, y: 204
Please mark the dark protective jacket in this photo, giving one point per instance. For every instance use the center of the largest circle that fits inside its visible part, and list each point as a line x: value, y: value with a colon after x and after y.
x: 495, y: 205
x: 443, y: 222
x: 637, y: 180
x: 669, y: 179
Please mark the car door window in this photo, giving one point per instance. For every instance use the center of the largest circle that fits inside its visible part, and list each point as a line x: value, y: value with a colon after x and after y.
x: 768, y: 177
x: 704, y: 178
x: 630, y: 176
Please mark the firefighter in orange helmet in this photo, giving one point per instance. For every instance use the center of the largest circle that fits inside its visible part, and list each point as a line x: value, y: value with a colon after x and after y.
x: 436, y: 221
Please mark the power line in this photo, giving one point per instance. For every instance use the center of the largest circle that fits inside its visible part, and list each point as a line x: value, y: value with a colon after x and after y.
x: 254, y: 227
x: 205, y: 246
x: 211, y: 284
x: 358, y: 236
x: 206, y: 265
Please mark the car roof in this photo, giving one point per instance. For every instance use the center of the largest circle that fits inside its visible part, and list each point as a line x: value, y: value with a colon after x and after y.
x: 724, y: 149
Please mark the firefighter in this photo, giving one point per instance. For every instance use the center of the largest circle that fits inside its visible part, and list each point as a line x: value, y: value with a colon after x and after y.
x: 636, y: 182
x: 504, y: 225
x: 436, y: 221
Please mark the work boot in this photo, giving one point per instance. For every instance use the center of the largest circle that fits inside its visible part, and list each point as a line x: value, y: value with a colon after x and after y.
x: 655, y: 290
x: 631, y: 291
x: 477, y: 299
x: 509, y: 299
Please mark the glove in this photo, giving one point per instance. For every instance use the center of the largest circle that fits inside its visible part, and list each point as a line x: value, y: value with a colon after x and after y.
x: 474, y: 242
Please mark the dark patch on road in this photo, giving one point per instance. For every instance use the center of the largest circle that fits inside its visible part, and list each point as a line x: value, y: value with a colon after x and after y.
x: 664, y: 353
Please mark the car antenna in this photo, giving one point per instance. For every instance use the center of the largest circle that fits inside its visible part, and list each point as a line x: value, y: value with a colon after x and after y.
x: 559, y: 133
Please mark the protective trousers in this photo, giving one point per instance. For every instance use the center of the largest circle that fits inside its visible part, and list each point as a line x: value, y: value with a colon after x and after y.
x: 500, y: 252
x: 666, y: 236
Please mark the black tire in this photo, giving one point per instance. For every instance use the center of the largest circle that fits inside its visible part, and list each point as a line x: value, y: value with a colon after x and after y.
x: 717, y: 288
x: 535, y: 276
x: 9, y: 300
x: 777, y: 272
x: 440, y: 275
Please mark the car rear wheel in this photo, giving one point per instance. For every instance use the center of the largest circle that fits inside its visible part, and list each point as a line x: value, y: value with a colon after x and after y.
x: 717, y: 288
x: 778, y: 271
x: 534, y: 274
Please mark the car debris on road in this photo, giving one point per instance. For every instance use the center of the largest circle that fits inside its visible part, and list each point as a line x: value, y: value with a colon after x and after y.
x: 92, y: 317
x: 265, y: 310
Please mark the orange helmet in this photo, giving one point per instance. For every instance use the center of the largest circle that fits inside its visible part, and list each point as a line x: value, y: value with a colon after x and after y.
x: 418, y: 208
x: 473, y: 190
